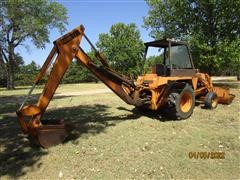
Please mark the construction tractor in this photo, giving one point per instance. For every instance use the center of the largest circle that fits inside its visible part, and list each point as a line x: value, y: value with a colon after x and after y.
x: 174, y: 85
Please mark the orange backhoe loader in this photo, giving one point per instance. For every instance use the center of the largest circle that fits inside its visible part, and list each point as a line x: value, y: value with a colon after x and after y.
x: 173, y: 85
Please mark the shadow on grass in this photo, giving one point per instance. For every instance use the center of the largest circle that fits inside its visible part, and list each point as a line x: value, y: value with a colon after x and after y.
x: 10, y: 104
x: 157, y: 115
x: 21, y: 88
x: 16, y: 151
x: 87, y: 119
x: 18, y: 154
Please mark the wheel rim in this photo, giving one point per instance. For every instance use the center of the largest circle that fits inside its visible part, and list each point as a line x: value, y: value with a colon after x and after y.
x: 186, y: 102
x: 214, y: 102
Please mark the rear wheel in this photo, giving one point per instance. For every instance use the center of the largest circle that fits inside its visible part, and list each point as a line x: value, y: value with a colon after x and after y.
x: 182, y: 104
x: 211, y: 100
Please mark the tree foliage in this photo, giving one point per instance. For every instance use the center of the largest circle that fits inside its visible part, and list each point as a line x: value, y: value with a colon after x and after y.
x: 152, y: 61
x: 211, y: 27
x: 123, y: 48
x: 26, y: 19
x: 77, y: 73
x: 26, y: 74
x: 16, y: 67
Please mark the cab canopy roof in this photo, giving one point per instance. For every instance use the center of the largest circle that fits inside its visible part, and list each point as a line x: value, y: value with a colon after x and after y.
x: 164, y: 43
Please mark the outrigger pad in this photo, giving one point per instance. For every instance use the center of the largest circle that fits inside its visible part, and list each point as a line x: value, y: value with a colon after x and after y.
x: 51, y: 133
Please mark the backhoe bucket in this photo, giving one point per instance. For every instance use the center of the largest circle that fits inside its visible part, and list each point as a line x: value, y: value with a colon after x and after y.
x: 46, y: 133
x: 51, y: 133
x: 224, y: 97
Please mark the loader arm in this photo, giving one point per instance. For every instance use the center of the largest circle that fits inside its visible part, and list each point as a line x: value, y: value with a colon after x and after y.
x: 64, y: 51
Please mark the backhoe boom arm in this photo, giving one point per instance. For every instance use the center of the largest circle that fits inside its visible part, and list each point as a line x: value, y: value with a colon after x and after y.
x: 65, y: 49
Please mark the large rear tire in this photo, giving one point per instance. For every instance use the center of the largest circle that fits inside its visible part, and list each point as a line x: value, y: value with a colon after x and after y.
x: 182, y: 104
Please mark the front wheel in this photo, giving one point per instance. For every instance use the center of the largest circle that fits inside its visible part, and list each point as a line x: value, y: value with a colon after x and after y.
x: 211, y: 100
x: 183, y: 103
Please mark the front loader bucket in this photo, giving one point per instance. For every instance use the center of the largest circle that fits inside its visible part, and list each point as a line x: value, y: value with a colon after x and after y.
x: 224, y: 96
x: 51, y: 133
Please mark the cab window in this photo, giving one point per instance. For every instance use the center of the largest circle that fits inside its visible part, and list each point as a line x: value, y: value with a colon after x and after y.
x: 180, y: 57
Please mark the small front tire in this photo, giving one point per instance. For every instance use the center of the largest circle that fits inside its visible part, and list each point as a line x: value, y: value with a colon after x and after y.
x: 211, y: 100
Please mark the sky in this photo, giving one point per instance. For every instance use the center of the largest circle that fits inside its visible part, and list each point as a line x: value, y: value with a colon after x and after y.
x: 97, y: 16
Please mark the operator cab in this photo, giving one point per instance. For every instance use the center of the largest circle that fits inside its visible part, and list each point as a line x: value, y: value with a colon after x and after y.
x: 173, y: 58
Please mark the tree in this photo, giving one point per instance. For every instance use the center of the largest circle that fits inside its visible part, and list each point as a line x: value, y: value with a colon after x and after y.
x: 77, y: 73
x: 26, y: 74
x: 123, y: 48
x: 152, y: 61
x: 3, y: 75
x: 26, y: 19
x: 207, y: 25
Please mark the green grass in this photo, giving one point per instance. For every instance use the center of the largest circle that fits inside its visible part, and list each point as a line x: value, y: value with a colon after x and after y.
x: 111, y: 140
x: 63, y: 88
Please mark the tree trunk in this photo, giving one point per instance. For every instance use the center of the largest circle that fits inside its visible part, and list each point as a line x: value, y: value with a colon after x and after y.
x: 10, y: 68
x: 238, y: 71
x: 10, y: 79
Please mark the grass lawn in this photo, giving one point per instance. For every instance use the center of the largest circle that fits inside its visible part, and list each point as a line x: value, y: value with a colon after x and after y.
x: 111, y: 140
